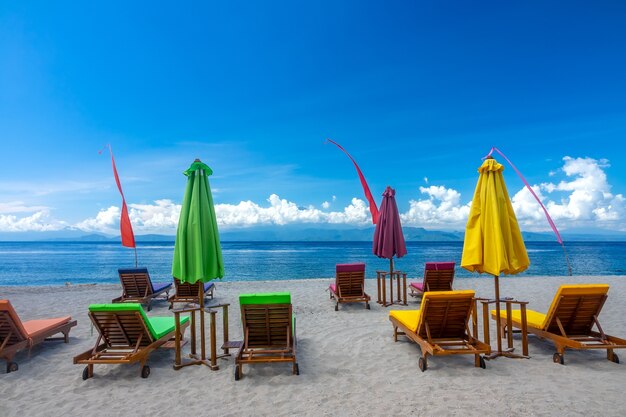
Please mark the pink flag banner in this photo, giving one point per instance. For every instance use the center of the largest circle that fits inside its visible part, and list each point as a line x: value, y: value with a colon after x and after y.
x: 366, y: 188
x: 545, y: 210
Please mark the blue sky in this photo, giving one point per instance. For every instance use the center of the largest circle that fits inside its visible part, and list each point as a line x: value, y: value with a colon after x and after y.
x: 417, y: 91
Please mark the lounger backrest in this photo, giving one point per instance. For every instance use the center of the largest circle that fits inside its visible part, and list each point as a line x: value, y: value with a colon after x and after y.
x: 122, y: 324
x: 10, y: 323
x: 186, y: 289
x: 350, y: 279
x: 438, y: 276
x: 446, y: 313
x: 267, y: 319
x: 575, y: 306
x: 135, y: 281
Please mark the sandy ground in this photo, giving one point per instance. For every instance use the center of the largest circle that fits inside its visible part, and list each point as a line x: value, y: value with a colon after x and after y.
x: 349, y: 364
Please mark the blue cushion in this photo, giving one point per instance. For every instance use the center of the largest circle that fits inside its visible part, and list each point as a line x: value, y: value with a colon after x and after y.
x: 160, y: 286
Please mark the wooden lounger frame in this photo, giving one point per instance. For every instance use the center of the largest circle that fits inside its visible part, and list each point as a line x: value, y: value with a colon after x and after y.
x: 268, y: 336
x: 571, y: 326
x: 124, y: 339
x: 445, y: 330
x: 137, y: 287
x: 435, y: 280
x: 189, y: 293
x: 350, y: 288
x: 13, y: 341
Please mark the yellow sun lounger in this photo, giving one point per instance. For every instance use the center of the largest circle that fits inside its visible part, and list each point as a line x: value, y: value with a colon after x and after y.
x: 441, y: 326
x: 569, y: 321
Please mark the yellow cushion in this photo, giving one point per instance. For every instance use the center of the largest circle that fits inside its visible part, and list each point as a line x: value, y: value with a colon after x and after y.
x: 539, y: 320
x: 447, y: 295
x: 409, y: 318
x: 533, y: 318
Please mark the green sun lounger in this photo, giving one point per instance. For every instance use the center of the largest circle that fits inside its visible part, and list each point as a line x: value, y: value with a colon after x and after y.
x: 269, y: 331
x: 127, y: 336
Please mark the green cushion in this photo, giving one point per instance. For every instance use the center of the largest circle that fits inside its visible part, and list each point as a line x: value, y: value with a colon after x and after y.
x: 265, y: 298
x: 164, y: 325
x: 269, y: 298
x: 158, y: 326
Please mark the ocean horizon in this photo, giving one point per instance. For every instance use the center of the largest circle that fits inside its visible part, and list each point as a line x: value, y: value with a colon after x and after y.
x: 65, y: 263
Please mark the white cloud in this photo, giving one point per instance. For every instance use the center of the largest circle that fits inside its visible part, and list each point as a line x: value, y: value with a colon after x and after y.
x: 106, y: 221
x: 160, y: 217
x: 442, y: 208
x: 281, y: 212
x: 582, y: 199
x: 19, y: 207
x: 36, y: 222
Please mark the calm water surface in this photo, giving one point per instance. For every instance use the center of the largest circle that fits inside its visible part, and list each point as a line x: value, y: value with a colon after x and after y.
x: 55, y: 263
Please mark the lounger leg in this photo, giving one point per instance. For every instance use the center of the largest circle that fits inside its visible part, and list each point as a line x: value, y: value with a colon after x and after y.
x: 11, y: 366
x: 337, y: 306
x: 66, y: 336
x: 559, y: 356
x: 395, y: 333
x: 610, y: 355
x: 423, y: 362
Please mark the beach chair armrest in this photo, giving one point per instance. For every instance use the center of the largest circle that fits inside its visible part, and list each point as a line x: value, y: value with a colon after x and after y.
x: 217, y: 306
x: 187, y: 308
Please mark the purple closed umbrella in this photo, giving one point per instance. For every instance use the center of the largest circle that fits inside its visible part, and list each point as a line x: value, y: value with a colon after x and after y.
x: 388, y: 237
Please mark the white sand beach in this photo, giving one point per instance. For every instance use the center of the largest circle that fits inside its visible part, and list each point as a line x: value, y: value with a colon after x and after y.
x: 349, y: 364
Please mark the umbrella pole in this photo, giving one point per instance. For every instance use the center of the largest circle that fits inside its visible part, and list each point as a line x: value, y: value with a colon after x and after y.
x: 498, y: 318
x: 391, y: 281
x: 202, y: 342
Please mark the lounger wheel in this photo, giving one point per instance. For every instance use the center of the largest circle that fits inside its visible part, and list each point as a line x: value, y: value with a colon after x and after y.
x: 296, y: 369
x: 483, y: 363
x: 421, y: 362
x: 558, y: 358
x: 336, y: 307
x: 86, y: 375
x: 145, y: 371
x: 367, y: 305
x: 615, y: 358
x: 12, y: 367
x: 237, y: 373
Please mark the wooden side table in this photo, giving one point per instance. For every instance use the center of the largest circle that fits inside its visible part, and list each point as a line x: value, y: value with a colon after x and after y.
x: 509, y: 326
x: 202, y: 360
x: 381, y: 281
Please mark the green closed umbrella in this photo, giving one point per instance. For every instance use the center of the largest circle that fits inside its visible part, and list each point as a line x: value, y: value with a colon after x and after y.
x: 197, y: 251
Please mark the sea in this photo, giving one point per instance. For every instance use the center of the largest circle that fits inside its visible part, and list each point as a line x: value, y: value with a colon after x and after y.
x: 71, y: 263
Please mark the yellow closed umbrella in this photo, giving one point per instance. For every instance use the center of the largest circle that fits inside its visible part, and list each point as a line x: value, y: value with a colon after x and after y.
x: 493, y: 241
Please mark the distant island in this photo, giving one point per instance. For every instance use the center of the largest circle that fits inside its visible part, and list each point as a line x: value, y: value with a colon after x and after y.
x: 302, y: 234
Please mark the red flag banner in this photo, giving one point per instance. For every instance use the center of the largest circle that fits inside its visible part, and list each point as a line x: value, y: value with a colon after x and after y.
x: 126, y: 229
x: 366, y: 188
